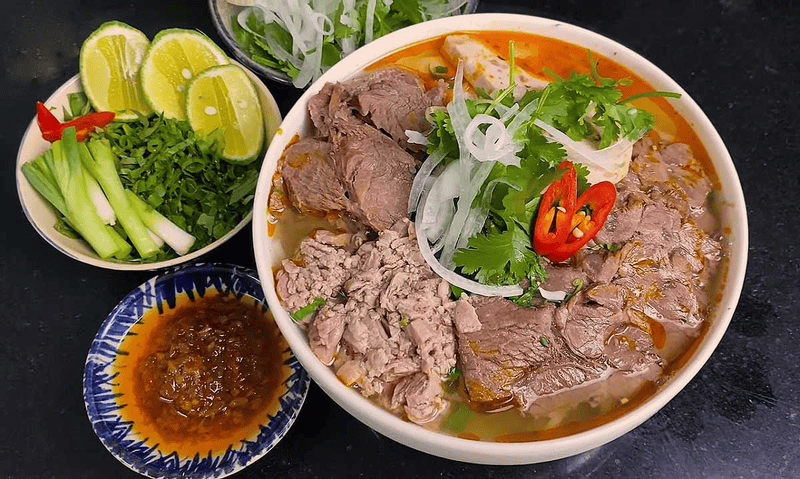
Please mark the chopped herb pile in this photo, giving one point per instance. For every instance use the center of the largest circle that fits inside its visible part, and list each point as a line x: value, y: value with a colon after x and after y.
x: 181, y: 174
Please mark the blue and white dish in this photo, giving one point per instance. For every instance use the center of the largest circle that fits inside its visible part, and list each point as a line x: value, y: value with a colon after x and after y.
x: 106, y: 413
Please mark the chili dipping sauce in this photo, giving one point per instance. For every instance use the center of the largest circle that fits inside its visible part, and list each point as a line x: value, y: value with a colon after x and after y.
x: 202, y: 376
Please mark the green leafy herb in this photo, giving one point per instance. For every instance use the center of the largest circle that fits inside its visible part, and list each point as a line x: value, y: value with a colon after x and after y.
x: 544, y: 341
x: 307, y: 310
x: 499, y: 257
x: 608, y: 246
x: 404, y: 322
x: 578, y: 283
x: 182, y: 174
x: 451, y: 383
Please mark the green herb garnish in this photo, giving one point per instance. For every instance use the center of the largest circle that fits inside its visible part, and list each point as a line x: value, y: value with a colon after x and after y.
x: 307, y: 310
x: 182, y: 174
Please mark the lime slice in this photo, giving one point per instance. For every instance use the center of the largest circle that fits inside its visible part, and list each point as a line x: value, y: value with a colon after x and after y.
x: 175, y: 56
x: 223, y: 97
x: 109, y: 67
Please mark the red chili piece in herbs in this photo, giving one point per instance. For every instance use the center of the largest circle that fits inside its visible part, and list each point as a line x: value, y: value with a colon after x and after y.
x: 555, y: 211
x: 48, y: 123
x: 52, y: 128
x: 591, y: 211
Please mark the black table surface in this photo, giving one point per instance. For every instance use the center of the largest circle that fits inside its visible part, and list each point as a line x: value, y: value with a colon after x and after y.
x: 739, y: 417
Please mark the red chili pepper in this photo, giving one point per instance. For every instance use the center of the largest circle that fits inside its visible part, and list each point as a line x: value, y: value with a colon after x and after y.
x: 47, y: 121
x: 52, y: 128
x: 591, y: 211
x: 555, y: 211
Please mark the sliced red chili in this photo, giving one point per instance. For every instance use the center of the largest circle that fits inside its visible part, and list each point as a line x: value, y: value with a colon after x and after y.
x: 48, y: 123
x: 52, y: 128
x: 90, y: 121
x: 555, y: 210
x: 591, y: 210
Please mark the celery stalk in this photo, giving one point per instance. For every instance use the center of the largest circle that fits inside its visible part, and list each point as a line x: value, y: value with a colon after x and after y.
x: 100, y: 162
x: 171, y: 233
x: 80, y: 212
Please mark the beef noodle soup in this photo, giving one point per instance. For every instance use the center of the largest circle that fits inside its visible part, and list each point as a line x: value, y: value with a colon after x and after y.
x: 498, y: 257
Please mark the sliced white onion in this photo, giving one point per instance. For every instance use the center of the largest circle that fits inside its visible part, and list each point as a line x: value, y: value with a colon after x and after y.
x: 369, y: 25
x: 416, y: 137
x: 451, y: 276
x: 425, y: 170
x: 609, y: 164
x: 553, y: 295
x: 494, y: 145
x: 468, y: 193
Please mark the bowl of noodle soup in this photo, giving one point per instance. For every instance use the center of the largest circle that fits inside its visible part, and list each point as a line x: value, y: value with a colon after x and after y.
x: 275, y: 240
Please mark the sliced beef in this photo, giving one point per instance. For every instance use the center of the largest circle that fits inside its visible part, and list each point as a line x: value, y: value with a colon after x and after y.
x: 376, y: 173
x: 630, y: 349
x: 387, y: 326
x: 360, y: 161
x: 310, y: 179
x: 518, y: 353
x: 390, y: 99
x: 585, y: 327
x: 395, y: 100
x: 646, y: 276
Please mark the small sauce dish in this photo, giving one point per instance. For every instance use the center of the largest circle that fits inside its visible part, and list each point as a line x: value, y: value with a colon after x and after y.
x: 189, y: 375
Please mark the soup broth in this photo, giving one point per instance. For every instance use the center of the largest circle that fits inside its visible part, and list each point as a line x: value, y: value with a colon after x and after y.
x: 598, y: 401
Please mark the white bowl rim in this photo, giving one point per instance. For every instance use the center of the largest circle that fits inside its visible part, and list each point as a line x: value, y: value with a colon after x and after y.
x: 481, y: 452
x: 33, y: 204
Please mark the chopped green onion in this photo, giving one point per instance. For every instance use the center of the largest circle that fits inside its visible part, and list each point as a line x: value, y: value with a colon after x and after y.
x: 307, y: 310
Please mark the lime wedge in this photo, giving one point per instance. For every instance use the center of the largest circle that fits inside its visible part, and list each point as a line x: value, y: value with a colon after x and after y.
x: 175, y: 56
x: 109, y: 68
x: 223, y: 97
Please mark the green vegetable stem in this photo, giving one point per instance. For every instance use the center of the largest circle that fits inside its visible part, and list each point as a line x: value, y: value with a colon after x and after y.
x: 100, y: 161
x: 68, y: 172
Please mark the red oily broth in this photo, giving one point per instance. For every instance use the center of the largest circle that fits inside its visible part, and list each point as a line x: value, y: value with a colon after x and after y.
x: 572, y: 411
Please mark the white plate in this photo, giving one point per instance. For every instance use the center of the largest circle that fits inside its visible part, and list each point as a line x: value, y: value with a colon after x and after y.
x: 43, y: 216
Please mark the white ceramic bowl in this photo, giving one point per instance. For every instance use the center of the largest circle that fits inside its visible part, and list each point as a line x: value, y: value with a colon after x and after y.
x: 733, y: 217
x: 43, y: 216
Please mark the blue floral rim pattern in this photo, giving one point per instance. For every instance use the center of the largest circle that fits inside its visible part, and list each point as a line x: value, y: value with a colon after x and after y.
x: 117, y: 435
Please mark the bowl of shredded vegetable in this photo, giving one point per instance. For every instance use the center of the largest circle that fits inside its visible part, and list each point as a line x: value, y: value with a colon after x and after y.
x: 295, y: 42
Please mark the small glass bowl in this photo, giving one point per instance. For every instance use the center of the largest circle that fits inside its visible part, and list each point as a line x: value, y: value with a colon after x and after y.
x: 222, y: 11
